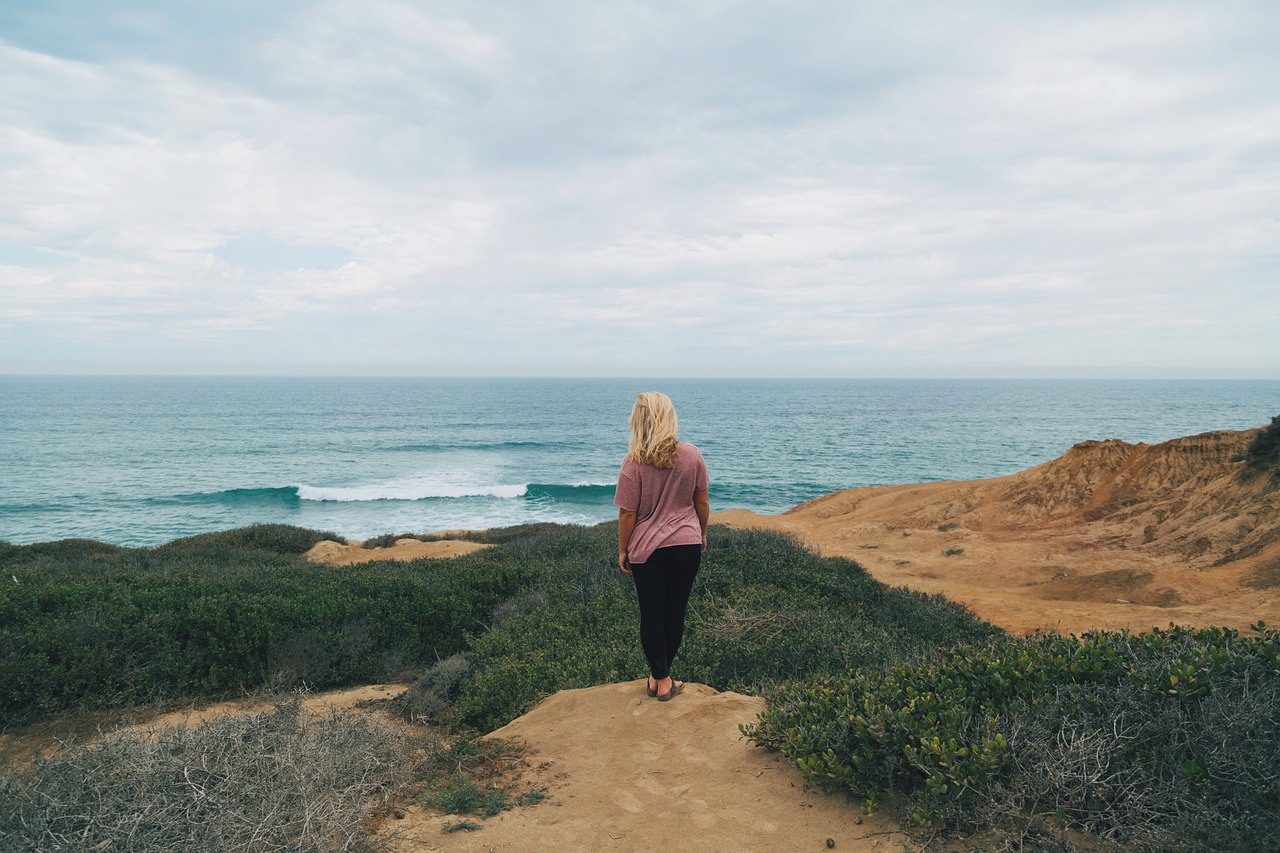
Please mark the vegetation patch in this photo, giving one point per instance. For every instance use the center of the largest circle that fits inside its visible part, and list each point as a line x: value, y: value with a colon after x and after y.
x: 763, y: 610
x: 272, y: 781
x: 1266, y: 576
x: 210, y: 617
x: 1161, y: 741
x: 496, y: 536
x: 477, y: 777
x: 1263, y: 453
x: 276, y: 538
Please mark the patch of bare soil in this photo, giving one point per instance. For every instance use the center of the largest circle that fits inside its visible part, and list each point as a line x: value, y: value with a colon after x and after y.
x: 1109, y: 535
x: 406, y: 548
x: 626, y: 772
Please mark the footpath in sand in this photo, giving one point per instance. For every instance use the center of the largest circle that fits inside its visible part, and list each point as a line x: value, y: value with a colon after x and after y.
x: 626, y: 772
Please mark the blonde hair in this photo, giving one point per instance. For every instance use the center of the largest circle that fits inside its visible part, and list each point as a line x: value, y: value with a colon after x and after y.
x: 653, y: 430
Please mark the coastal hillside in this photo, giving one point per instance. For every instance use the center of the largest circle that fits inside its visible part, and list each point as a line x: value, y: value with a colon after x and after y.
x: 1108, y: 535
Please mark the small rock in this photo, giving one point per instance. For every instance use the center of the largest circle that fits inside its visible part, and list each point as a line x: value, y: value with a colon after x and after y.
x: 858, y: 821
x: 831, y: 842
x: 399, y: 814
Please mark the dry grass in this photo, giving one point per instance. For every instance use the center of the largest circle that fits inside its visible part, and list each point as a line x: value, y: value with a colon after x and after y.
x: 280, y: 780
x: 730, y: 624
x: 1078, y: 770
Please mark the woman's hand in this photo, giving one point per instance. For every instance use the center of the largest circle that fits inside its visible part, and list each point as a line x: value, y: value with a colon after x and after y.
x: 622, y: 562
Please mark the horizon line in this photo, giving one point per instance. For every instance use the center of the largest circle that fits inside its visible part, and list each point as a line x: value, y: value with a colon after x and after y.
x: 649, y: 377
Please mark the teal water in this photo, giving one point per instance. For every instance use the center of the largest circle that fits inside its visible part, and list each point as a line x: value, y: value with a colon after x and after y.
x: 143, y: 460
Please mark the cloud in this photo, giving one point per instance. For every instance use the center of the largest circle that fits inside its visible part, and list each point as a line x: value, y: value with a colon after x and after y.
x: 755, y: 188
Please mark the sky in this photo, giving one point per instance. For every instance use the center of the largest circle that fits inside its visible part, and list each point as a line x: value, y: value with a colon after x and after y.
x: 575, y: 188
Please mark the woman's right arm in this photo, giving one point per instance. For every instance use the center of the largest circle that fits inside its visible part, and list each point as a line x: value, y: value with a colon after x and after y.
x: 702, y: 506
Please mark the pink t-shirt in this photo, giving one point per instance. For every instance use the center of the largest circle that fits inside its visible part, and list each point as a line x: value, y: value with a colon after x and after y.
x: 662, y: 499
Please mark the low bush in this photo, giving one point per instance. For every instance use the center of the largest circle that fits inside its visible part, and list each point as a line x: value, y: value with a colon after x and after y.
x: 62, y: 549
x: 272, y: 781
x: 1150, y: 740
x: 386, y: 540
x: 85, y: 628
x: 462, y: 796
x: 432, y: 696
x: 276, y: 538
x: 495, y: 536
x: 763, y: 609
x: 1263, y: 453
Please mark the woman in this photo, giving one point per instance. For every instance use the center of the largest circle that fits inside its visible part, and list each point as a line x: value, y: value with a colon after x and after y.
x: 662, y: 531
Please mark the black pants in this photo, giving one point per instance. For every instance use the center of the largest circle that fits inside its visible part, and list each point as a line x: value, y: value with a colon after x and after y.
x: 663, y: 584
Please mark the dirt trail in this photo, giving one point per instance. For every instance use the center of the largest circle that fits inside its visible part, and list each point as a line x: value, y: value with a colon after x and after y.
x: 628, y: 773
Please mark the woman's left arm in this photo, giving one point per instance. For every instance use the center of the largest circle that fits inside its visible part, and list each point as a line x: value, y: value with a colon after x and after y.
x: 702, y: 506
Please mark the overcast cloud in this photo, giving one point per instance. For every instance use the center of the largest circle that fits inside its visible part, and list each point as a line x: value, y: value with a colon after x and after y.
x: 584, y: 188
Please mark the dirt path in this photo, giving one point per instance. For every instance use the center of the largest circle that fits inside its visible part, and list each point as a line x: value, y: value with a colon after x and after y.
x: 628, y: 773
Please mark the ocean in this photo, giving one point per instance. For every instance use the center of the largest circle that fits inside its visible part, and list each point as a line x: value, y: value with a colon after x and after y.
x: 140, y: 461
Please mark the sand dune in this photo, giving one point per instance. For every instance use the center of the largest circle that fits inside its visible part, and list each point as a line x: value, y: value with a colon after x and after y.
x: 1109, y: 535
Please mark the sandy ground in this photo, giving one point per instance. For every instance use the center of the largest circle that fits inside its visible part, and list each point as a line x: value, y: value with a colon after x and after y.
x: 408, y: 548
x: 318, y: 703
x: 1063, y: 580
x: 1110, y: 535
x: 628, y: 773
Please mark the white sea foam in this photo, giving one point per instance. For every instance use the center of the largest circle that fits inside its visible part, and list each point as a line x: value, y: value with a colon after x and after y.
x: 409, y: 489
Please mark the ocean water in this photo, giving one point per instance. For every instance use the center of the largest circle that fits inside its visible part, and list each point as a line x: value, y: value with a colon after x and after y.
x: 143, y: 460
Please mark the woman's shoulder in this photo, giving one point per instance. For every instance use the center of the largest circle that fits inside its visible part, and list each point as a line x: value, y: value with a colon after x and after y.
x: 691, y: 450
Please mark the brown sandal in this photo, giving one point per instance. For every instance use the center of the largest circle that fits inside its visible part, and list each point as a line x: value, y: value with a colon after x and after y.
x: 676, y: 687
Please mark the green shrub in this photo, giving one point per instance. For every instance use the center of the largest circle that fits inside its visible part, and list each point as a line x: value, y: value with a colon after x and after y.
x: 386, y: 540
x: 1263, y: 453
x: 988, y: 732
x: 498, y: 535
x: 471, y: 776
x: 63, y: 549
x: 495, y: 536
x: 432, y: 696
x: 210, y: 619
x: 215, y: 615
x: 462, y: 796
x: 276, y: 538
x: 763, y: 609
